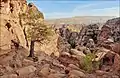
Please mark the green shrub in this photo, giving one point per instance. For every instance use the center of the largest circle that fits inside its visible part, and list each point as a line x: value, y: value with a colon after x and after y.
x: 88, y: 64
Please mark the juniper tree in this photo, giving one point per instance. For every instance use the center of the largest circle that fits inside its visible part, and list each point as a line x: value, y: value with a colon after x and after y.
x: 37, y: 31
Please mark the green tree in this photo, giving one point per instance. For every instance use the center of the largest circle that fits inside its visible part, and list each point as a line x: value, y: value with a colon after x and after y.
x: 37, y: 30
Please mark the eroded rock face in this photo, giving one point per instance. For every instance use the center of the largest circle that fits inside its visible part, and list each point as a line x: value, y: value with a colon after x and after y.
x: 111, y: 29
x: 9, y: 76
x: 10, y: 26
x: 26, y: 70
x: 110, y: 35
x: 86, y: 37
x: 89, y: 32
x: 93, y: 35
x: 63, y: 45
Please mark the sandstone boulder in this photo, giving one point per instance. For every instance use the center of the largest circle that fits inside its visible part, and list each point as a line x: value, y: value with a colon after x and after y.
x: 9, y: 76
x: 72, y: 66
x: 57, y: 75
x: 25, y: 70
x: 77, y: 73
x: 76, y: 52
x: 45, y: 70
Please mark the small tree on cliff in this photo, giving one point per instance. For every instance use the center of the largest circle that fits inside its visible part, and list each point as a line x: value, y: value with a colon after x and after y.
x: 37, y: 30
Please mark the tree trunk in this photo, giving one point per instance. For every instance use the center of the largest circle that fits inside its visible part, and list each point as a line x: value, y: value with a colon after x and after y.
x: 25, y: 37
x: 32, y: 48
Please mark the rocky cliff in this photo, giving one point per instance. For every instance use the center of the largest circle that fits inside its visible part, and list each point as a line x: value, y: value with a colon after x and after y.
x: 111, y: 30
x: 12, y: 25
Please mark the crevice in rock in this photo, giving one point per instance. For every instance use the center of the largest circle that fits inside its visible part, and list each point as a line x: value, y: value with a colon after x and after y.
x: 8, y: 26
x: 12, y: 31
x: 105, y: 60
x: 11, y: 7
x: 67, y: 71
x: 16, y: 44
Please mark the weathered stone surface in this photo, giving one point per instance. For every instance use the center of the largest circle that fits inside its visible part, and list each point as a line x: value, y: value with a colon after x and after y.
x: 27, y: 62
x: 9, y: 76
x: 8, y: 69
x: 45, y: 70
x: 76, y: 52
x: 63, y: 45
x: 88, y: 32
x: 6, y: 58
x: 77, y: 73
x: 65, y: 54
x: 110, y: 29
x: 73, y: 76
x: 115, y: 47
x: 25, y: 70
x: 116, y: 65
x: 72, y: 66
x: 10, y: 23
x: 66, y: 60
x: 49, y: 47
x: 56, y: 75
x: 91, y: 76
x: 100, y: 73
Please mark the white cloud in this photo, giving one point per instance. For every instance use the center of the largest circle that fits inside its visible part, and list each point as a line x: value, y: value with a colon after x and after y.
x: 79, y: 7
x: 75, y: 12
x: 113, y: 11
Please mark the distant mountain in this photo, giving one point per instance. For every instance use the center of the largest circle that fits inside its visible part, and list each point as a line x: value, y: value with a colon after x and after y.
x: 80, y: 20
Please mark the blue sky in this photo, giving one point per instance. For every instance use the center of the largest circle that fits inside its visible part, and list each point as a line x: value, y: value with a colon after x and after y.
x: 53, y: 9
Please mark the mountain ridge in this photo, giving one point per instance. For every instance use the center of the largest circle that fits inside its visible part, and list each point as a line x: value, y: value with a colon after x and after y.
x: 80, y: 20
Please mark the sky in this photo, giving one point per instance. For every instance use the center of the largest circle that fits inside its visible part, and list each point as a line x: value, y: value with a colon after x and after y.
x: 54, y: 9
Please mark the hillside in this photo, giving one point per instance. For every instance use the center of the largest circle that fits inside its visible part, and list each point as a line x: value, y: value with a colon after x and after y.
x: 80, y: 20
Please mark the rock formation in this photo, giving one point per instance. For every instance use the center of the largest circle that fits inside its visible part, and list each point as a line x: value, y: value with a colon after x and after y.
x: 10, y: 27
x: 111, y: 30
x: 109, y: 36
x: 13, y: 24
x: 87, y: 36
x: 93, y: 35
x: 89, y: 32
